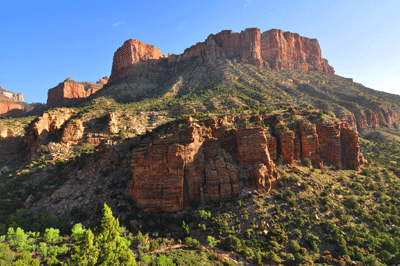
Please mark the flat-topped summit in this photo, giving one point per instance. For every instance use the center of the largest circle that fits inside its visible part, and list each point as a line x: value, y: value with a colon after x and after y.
x: 273, y: 49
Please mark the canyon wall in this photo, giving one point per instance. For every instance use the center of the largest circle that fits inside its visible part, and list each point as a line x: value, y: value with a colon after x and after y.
x: 271, y: 49
x: 212, y: 159
x: 215, y: 160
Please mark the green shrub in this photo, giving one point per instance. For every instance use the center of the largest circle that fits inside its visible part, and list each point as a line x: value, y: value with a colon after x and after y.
x: 51, y: 235
x: 211, y: 241
x: 232, y: 243
x: 121, y: 134
x: 153, y: 245
x: 294, y: 246
x: 192, y: 242
x: 185, y: 228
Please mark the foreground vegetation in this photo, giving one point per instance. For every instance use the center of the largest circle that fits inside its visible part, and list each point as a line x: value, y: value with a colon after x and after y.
x: 315, y: 216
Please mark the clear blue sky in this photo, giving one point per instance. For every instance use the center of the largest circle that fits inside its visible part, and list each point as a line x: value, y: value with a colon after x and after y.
x: 44, y: 42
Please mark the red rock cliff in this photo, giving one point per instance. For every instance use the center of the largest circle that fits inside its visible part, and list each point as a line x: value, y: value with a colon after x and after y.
x: 201, y: 164
x: 69, y: 92
x: 214, y: 161
x: 10, y: 108
x: 134, y: 55
x: 271, y: 49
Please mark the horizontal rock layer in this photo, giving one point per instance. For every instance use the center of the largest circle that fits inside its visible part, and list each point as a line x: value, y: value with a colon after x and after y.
x: 10, y: 108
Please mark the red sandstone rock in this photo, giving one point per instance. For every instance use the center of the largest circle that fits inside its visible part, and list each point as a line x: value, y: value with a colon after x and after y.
x: 9, y: 108
x: 199, y: 166
x: 286, y: 139
x: 134, y: 55
x: 271, y: 49
x: 73, y: 132
x: 45, y: 128
x: 329, y: 143
x: 65, y: 93
x: 212, y: 161
x: 309, y: 142
x: 69, y: 92
x: 351, y: 155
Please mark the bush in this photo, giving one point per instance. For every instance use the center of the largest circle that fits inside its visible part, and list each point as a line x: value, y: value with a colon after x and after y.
x: 153, y: 245
x: 304, y: 186
x: 211, y: 241
x: 294, y: 246
x: 192, y: 242
x: 233, y: 243
x: 122, y: 135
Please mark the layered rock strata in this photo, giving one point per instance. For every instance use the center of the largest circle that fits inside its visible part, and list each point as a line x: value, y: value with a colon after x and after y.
x: 204, y: 163
x: 10, y: 108
x: 271, y: 49
x: 208, y: 160
x: 69, y: 92
x: 214, y: 161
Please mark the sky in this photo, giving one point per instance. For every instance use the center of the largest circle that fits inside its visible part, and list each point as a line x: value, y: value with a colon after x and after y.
x: 44, y: 42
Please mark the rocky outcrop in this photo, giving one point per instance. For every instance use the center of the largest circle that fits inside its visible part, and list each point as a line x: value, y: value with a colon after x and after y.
x: 203, y: 163
x: 271, y: 49
x: 136, y: 59
x: 103, y: 80
x: 16, y: 97
x: 73, y: 132
x: 47, y: 127
x: 10, y: 108
x: 215, y: 161
x: 69, y: 92
x: 369, y: 116
x: 65, y: 94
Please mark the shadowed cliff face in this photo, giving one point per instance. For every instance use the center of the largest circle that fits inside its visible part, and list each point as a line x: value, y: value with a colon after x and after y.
x: 272, y: 49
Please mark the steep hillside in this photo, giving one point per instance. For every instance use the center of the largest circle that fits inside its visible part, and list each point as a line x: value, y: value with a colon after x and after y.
x: 227, y: 84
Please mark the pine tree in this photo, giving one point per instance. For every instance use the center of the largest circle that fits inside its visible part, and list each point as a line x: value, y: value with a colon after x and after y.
x: 113, y: 249
x: 87, y: 252
x: 107, y: 247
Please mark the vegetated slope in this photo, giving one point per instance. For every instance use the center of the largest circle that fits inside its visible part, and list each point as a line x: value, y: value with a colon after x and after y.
x: 313, y: 216
x: 319, y: 209
x: 226, y: 84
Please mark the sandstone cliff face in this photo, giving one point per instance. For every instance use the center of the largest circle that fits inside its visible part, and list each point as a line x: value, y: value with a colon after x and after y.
x: 65, y: 93
x: 69, y: 92
x: 203, y: 163
x: 272, y: 49
x: 134, y: 59
x: 10, y: 108
x: 16, y: 97
x: 215, y: 161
